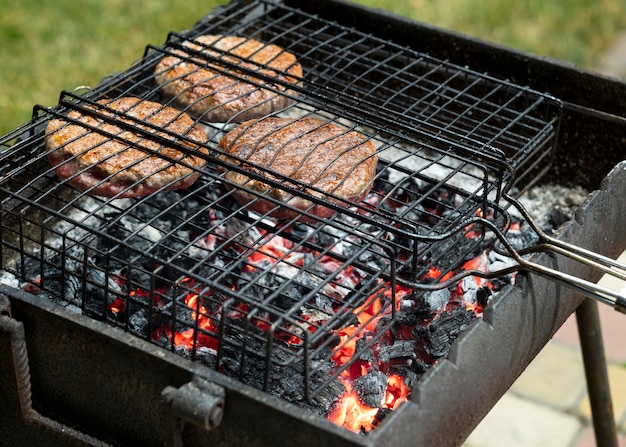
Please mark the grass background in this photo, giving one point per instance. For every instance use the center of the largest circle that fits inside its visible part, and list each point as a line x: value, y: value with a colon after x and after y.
x: 46, y: 47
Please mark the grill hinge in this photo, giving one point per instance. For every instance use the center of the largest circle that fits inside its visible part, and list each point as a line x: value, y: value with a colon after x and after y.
x: 199, y: 402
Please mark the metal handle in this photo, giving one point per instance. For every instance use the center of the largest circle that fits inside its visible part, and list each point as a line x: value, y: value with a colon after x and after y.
x: 547, y: 244
x: 608, y: 266
x: 601, y: 294
x: 594, y: 260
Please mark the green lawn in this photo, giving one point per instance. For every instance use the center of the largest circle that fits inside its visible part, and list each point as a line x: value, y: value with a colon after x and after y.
x: 578, y: 31
x: 48, y: 46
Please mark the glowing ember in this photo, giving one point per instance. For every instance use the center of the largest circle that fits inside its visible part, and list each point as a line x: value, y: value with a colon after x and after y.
x: 352, y: 414
x: 397, y: 392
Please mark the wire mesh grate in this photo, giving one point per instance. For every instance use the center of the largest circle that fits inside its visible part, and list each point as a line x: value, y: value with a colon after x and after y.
x: 194, y: 271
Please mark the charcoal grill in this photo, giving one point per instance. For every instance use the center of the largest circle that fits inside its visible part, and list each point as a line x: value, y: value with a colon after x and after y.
x: 448, y: 102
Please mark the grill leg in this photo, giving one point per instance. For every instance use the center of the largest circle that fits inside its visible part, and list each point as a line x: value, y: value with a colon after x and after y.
x: 588, y: 320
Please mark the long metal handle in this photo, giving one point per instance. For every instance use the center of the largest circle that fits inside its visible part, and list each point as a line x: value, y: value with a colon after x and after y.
x: 616, y: 299
x: 594, y: 260
x: 608, y: 266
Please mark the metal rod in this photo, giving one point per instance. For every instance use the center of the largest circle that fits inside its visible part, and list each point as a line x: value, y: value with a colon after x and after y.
x: 588, y: 320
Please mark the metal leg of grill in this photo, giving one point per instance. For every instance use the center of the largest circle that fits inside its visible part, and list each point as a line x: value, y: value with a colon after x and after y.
x: 588, y: 320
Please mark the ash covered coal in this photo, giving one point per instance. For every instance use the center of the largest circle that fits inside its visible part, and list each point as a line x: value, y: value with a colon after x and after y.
x: 552, y: 204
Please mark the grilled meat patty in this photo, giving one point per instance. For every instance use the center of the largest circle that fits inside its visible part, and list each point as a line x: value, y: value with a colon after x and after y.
x: 131, y: 164
x: 323, y: 160
x: 204, y: 89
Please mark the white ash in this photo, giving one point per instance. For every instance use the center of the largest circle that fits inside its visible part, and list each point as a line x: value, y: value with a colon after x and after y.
x: 90, y: 213
x: 141, y: 229
x: 9, y: 279
x: 551, y: 205
x: 498, y: 262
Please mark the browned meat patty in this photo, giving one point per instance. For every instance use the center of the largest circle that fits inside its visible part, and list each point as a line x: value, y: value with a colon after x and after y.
x: 322, y: 155
x: 208, y: 92
x: 128, y: 166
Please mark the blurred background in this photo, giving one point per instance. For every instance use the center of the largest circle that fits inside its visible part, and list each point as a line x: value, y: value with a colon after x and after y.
x: 46, y: 47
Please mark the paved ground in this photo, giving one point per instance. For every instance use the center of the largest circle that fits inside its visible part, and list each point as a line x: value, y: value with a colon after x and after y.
x: 548, y: 406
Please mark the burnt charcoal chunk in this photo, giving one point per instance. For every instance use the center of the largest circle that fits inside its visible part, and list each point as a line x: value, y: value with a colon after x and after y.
x: 473, y: 293
x: 452, y: 252
x: 556, y: 217
x: 363, y: 352
x: 435, y: 300
x: 371, y: 388
x: 482, y: 296
x: 207, y: 357
x: 136, y: 278
x: 524, y: 238
x: 138, y: 322
x: 324, y: 402
x: 400, y: 349
x: 437, y: 338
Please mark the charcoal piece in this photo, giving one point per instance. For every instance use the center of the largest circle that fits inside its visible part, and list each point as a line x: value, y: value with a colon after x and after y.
x: 434, y: 301
x: 99, y: 284
x: 229, y: 366
x: 207, y: 357
x: 172, y: 317
x: 555, y: 218
x: 371, y: 388
x: 182, y: 351
x: 363, y: 352
x: 138, y: 323
x: 325, y: 400
x: 325, y: 239
x: 131, y: 246
x: 436, y: 338
x: 374, y: 255
x: 482, y: 296
x: 308, y: 281
x: 469, y: 288
x: 302, y: 231
x: 452, y: 251
x: 59, y: 288
x: 524, y: 238
x: 411, y: 378
x: 399, y: 349
x: 402, y: 193
x: 473, y: 293
x: 323, y: 303
x: 415, y: 213
x: 258, y: 285
x: 137, y: 279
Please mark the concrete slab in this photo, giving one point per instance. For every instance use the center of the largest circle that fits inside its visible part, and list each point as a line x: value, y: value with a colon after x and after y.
x: 521, y: 423
x: 555, y: 378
